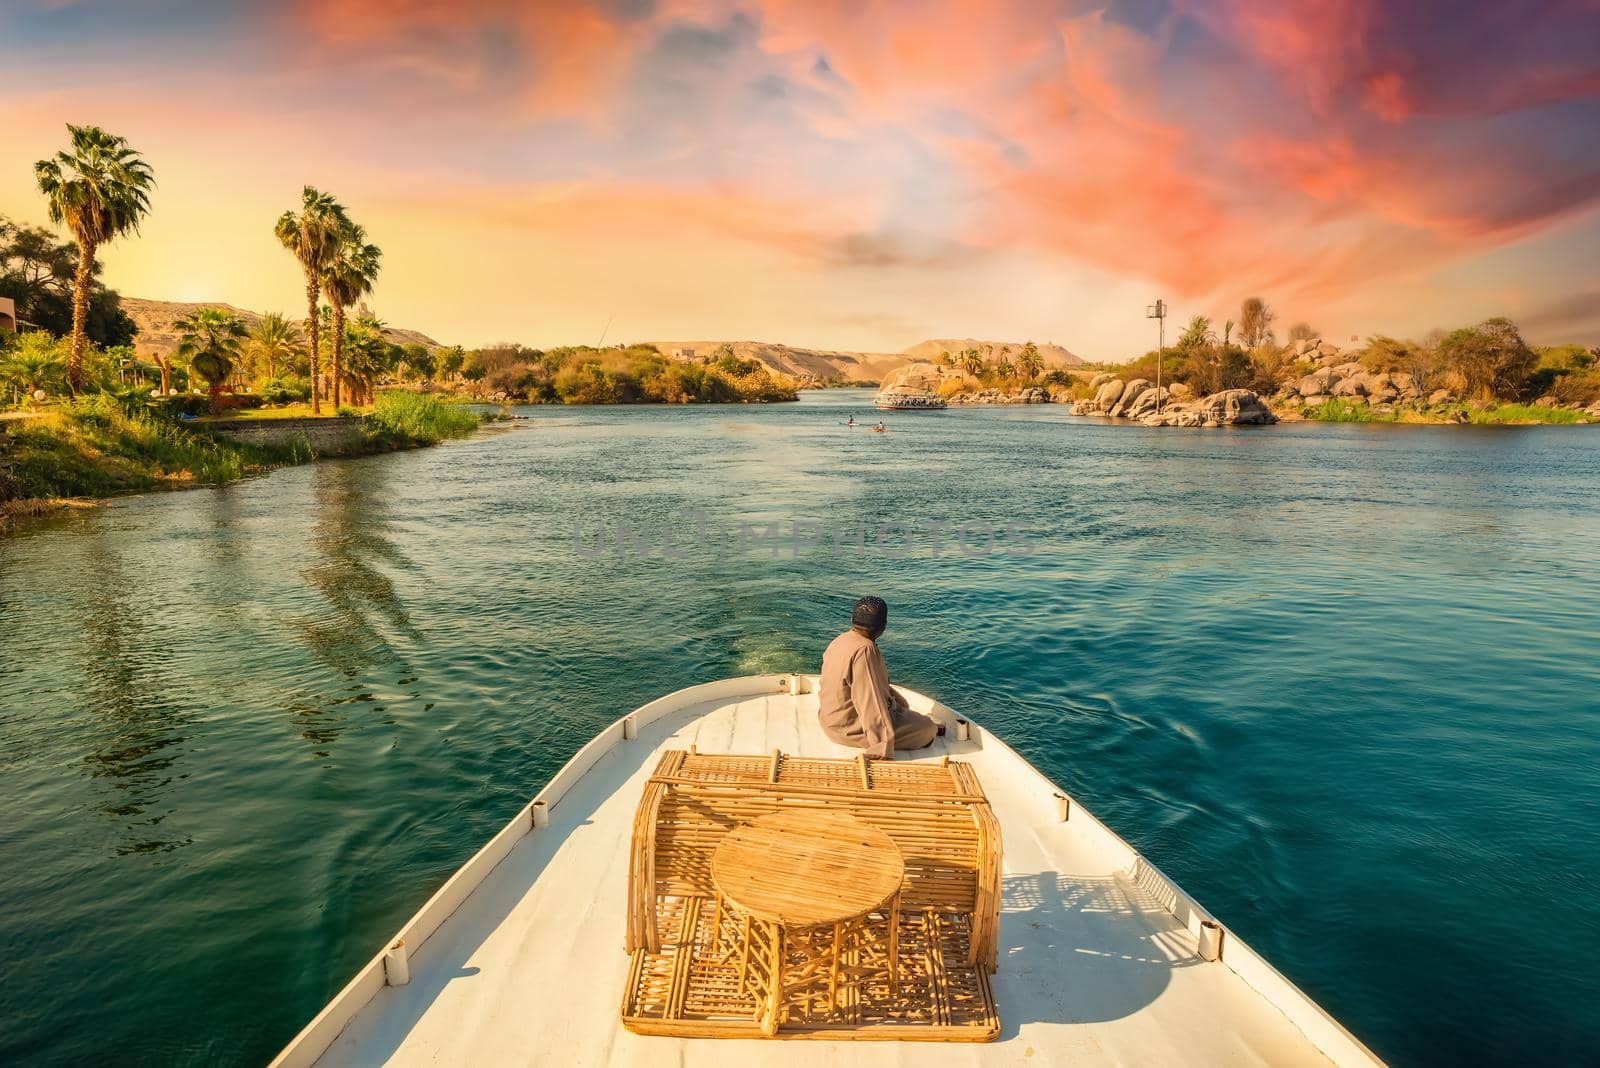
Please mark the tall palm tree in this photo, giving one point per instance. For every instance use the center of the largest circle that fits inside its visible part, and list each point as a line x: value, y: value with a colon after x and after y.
x: 274, y: 340
x: 1030, y: 361
x: 346, y: 278
x: 312, y: 234
x: 100, y: 190
x: 972, y: 362
x: 211, y: 341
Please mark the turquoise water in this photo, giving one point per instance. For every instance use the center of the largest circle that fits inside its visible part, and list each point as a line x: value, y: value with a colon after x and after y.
x: 1342, y: 682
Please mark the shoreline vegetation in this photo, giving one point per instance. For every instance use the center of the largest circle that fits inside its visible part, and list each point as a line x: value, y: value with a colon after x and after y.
x: 99, y: 446
x: 1478, y: 375
x: 94, y: 417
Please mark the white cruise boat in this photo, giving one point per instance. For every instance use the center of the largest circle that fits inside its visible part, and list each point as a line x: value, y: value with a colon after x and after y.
x: 519, y: 957
x: 901, y: 399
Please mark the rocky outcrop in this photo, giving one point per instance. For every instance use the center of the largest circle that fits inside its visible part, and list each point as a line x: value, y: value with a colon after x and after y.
x: 1026, y: 395
x: 1231, y: 407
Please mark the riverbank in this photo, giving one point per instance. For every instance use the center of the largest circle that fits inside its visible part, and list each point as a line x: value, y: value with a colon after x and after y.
x: 96, y: 447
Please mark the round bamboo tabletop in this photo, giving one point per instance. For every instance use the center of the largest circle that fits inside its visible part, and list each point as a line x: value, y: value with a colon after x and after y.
x: 805, y: 869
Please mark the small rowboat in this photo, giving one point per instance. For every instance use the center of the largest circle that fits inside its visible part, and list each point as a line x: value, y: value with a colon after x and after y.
x: 518, y: 958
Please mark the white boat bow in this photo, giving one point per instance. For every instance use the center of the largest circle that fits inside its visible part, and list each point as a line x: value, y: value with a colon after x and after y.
x: 518, y: 958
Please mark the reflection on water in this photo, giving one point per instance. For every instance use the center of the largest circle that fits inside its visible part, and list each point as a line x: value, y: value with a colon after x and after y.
x: 349, y: 550
x: 1331, y: 679
x: 138, y: 735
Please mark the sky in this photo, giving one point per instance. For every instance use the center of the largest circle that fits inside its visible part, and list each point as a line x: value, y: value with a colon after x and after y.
x: 851, y: 174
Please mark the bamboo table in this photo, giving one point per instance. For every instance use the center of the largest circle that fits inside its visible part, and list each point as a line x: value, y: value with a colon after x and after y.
x: 787, y: 882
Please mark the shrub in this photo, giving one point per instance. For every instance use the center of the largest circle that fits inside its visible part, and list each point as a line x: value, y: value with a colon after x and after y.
x: 1491, y: 359
x: 284, y: 390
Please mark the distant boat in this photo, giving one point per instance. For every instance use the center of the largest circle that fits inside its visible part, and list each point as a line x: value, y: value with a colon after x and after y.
x: 909, y: 400
x: 1098, y: 958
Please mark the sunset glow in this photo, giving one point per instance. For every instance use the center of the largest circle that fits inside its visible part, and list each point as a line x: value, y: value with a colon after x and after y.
x: 844, y: 174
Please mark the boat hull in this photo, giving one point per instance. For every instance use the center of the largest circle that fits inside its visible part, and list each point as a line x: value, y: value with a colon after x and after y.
x: 518, y: 956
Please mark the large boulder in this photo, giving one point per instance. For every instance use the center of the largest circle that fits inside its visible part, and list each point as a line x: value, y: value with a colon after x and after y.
x: 1101, y: 379
x: 1032, y: 395
x: 1317, y: 383
x: 1147, y: 402
x: 1175, y: 415
x: 1441, y: 396
x: 1130, y: 393
x: 1108, y: 394
x: 1180, y: 390
x: 1353, y: 386
x: 1234, y: 407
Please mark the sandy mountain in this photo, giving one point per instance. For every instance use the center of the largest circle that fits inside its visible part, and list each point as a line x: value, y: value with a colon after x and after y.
x: 156, y: 334
x: 1054, y: 355
x: 807, y: 365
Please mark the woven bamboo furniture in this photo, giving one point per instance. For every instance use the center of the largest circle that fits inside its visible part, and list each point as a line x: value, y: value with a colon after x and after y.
x: 799, y: 886
x: 730, y: 937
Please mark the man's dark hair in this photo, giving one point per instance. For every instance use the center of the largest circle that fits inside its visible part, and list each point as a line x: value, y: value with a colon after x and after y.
x: 872, y: 614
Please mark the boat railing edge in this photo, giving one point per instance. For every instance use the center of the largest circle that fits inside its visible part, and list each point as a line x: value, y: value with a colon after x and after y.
x: 1321, y: 1028
x: 389, y: 966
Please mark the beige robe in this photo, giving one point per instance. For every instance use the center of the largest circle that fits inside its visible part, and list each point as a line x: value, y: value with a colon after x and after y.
x: 857, y: 707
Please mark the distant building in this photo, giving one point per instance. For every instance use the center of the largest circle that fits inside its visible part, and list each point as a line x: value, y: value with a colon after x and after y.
x: 685, y: 354
x: 8, y: 316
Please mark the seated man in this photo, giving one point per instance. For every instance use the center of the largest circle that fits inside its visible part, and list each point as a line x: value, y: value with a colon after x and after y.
x: 858, y: 708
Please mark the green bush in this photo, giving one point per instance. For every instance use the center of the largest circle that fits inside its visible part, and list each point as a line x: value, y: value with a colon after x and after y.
x: 284, y: 390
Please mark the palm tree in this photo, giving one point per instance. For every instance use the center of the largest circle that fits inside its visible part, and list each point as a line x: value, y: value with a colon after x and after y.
x: 1197, y: 335
x: 346, y: 278
x: 273, y: 340
x: 312, y: 235
x: 1004, y: 367
x: 100, y: 190
x: 32, y: 368
x: 367, y: 357
x: 211, y: 342
x: 1030, y: 361
x: 972, y: 362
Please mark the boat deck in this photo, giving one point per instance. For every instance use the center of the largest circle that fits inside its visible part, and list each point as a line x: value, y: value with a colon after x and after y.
x: 1097, y: 951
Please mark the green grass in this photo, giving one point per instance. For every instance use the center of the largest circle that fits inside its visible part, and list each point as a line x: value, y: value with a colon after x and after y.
x: 93, y: 447
x: 402, y: 417
x: 1501, y: 414
x: 1339, y: 410
x: 96, y: 447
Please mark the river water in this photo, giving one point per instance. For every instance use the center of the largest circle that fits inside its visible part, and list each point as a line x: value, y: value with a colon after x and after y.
x: 1341, y: 682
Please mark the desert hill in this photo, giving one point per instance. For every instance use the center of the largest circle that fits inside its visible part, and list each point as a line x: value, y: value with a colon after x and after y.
x: 156, y: 335
x: 1054, y: 355
x: 811, y: 365
x: 803, y: 364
